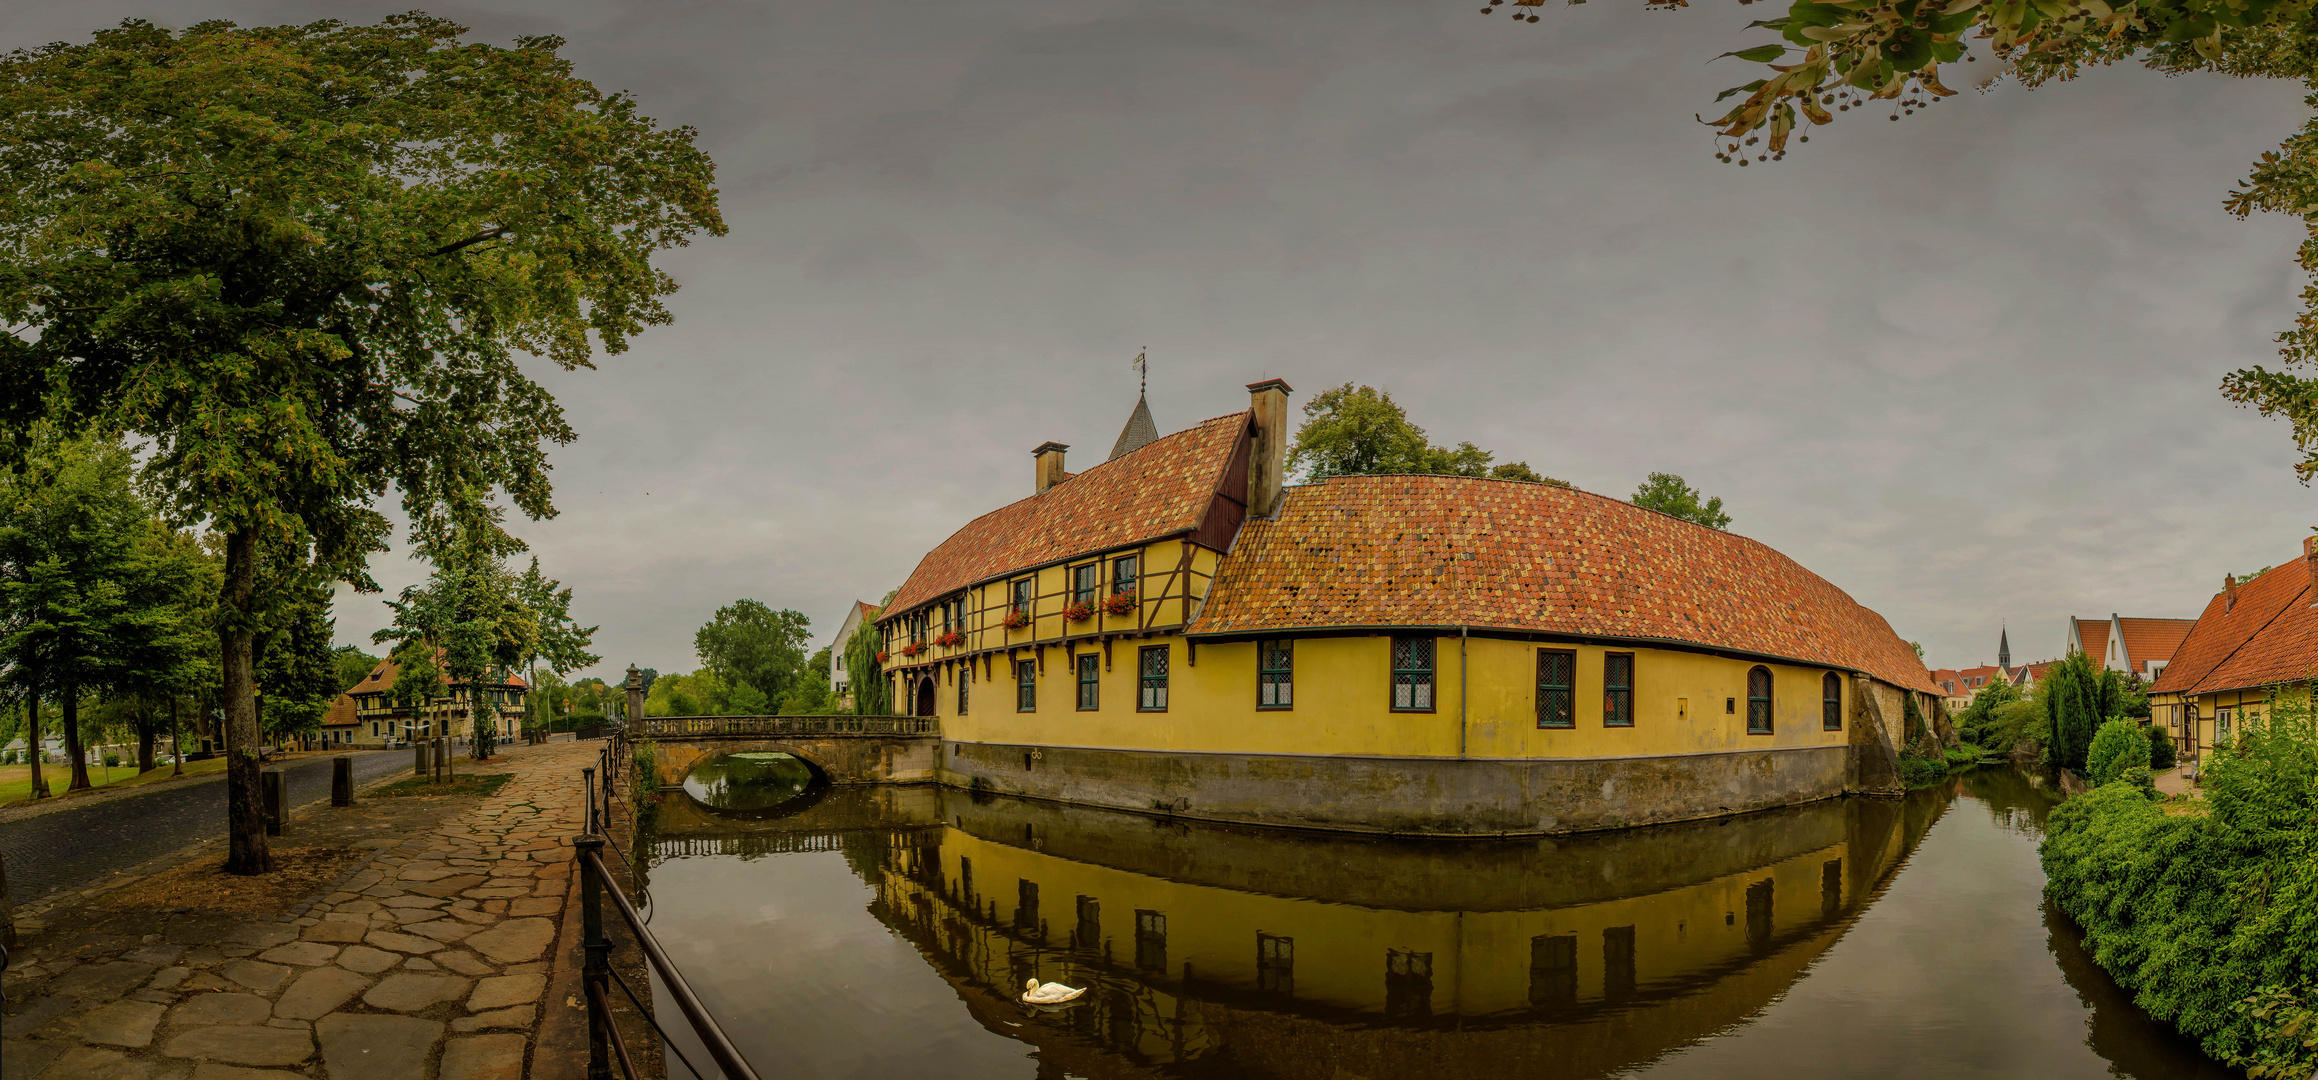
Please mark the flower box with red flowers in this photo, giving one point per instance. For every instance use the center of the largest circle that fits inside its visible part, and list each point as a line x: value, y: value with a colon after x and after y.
x: 913, y: 648
x: 1120, y: 603
x: 883, y: 657
x: 1017, y: 618
x: 954, y: 637
x: 1079, y: 612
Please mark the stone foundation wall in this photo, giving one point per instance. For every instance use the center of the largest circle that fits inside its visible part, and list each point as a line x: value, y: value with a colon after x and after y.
x: 855, y: 759
x: 1420, y: 796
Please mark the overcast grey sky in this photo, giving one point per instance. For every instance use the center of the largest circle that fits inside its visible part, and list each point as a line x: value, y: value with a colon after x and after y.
x: 1963, y: 365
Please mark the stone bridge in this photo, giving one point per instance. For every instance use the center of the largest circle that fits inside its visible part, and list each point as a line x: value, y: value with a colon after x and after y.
x: 841, y: 749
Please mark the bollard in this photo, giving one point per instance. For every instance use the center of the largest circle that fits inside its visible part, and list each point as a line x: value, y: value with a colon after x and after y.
x: 597, y: 949
x: 271, y: 780
x: 419, y: 761
x: 7, y: 909
x: 341, y: 781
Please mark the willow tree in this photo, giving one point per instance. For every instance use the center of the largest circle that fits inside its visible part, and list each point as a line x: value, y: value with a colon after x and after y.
x: 1887, y: 57
x: 303, y: 263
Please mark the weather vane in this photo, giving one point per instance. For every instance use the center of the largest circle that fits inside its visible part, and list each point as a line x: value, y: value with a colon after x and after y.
x: 1142, y: 368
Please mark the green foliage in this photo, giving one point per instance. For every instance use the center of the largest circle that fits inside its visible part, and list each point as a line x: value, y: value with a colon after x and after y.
x: 112, y: 760
x: 417, y: 681
x: 1916, y: 770
x: 1912, y: 716
x: 2209, y: 919
x: 2119, y: 745
x: 809, y: 694
x: 646, y: 759
x: 703, y: 693
x: 297, y: 670
x: 1964, y: 755
x: 2162, y: 753
x: 1669, y: 495
x: 2078, y: 697
x: 1362, y: 431
x: 353, y: 665
x: 1980, y: 721
x: 872, y: 694
x: 749, y: 644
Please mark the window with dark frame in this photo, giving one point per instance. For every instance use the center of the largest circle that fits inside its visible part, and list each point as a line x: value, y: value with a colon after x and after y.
x: 963, y: 679
x: 1557, y: 673
x: 1026, y: 686
x: 1090, y: 681
x: 1831, y: 703
x: 1021, y: 600
x: 1276, y: 674
x: 1412, y: 673
x: 1151, y: 674
x: 1275, y: 963
x: 1123, y: 574
x: 1082, y: 582
x: 1408, y: 983
x: 1618, y: 689
x: 1150, y: 940
x: 1759, y: 701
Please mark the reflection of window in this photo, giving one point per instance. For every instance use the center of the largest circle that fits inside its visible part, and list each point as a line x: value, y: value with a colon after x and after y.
x: 1026, y: 686
x: 1151, y: 940
x: 1275, y: 674
x: 1617, y: 963
x: 1831, y: 887
x: 1553, y: 970
x: 1759, y: 701
x: 1618, y: 689
x: 1557, y: 672
x: 1090, y: 681
x: 1089, y: 933
x: 1412, y: 673
x: 1026, y: 906
x: 1759, y: 914
x: 1408, y: 983
x: 1275, y: 963
x: 966, y: 882
x: 1153, y: 676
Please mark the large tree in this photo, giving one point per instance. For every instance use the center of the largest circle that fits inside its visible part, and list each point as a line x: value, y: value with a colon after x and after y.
x: 304, y: 262
x: 747, y: 643
x: 1361, y: 431
x: 1671, y: 495
x: 556, y: 638
x: 472, y: 611
x: 1846, y: 56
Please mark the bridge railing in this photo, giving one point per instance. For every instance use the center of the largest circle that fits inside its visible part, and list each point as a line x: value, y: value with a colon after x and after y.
x: 677, y: 727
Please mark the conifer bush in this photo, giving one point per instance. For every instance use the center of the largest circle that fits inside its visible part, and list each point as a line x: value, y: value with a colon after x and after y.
x: 2118, y: 745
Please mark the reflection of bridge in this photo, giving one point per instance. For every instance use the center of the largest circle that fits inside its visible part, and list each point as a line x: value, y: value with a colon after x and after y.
x: 750, y: 845
x: 841, y: 749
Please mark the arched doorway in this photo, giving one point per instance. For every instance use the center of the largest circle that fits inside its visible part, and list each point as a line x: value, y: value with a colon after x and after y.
x: 925, y: 698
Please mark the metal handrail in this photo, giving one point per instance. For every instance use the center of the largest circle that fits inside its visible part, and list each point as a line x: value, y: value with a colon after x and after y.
x: 597, y: 881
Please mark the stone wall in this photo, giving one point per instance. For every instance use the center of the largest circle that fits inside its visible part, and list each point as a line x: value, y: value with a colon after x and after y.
x: 1419, y: 796
x: 841, y: 759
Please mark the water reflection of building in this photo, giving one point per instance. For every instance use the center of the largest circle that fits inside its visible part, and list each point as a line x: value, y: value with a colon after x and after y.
x: 1214, y: 950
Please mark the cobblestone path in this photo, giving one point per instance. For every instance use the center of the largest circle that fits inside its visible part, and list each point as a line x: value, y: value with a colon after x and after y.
x: 71, y: 848
x: 433, y: 960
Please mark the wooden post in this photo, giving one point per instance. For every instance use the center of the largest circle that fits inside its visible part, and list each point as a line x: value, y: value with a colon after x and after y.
x: 341, y: 781
x: 271, y: 780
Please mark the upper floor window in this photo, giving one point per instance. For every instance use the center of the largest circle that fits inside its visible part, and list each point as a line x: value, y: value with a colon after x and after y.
x: 1021, y: 601
x: 1412, y: 673
x: 1831, y: 703
x: 1759, y: 701
x: 1152, y: 674
x: 1556, y: 688
x: 1618, y: 689
x: 1026, y: 686
x: 1083, y: 580
x: 1123, y: 574
x: 1275, y: 674
x: 1090, y: 680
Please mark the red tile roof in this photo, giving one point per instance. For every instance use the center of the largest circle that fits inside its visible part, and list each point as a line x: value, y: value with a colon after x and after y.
x: 1163, y: 489
x: 2093, y: 632
x: 2269, y: 636
x: 2152, y: 639
x: 1379, y: 551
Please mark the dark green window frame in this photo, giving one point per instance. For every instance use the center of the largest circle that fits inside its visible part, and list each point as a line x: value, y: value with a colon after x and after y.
x: 1020, y: 594
x: 1090, y: 674
x: 1412, y: 673
x: 1831, y: 703
x: 1151, y: 679
x: 1026, y: 686
x: 1557, y: 683
x: 1276, y: 674
x: 1123, y: 577
x: 1084, y: 580
x: 1618, y: 689
x: 1759, y: 701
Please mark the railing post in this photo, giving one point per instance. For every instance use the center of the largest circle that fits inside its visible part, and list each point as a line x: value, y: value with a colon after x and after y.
x: 588, y: 777
x: 341, y: 781
x: 596, y: 949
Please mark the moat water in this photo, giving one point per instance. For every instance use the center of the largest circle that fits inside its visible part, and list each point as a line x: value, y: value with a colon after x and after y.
x: 880, y: 932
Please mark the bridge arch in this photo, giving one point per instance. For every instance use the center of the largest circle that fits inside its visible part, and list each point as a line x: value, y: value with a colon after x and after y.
x: 845, y: 749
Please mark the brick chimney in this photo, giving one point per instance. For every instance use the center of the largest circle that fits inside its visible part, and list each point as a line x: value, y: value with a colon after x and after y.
x: 2310, y: 564
x: 2229, y: 593
x: 1049, y: 459
x: 1268, y: 458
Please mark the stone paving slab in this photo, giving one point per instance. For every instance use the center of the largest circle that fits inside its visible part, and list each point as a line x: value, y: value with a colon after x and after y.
x: 431, y: 961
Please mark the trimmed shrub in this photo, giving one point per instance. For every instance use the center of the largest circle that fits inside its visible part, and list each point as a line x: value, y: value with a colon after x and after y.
x: 2162, y: 755
x: 112, y: 761
x: 1918, y: 771
x: 2118, y: 746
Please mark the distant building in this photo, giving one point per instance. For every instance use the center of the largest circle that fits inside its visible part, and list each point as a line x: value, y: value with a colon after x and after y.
x: 839, y: 682
x: 2254, y: 635
x: 366, y: 715
x: 2140, y: 647
x: 1958, y: 685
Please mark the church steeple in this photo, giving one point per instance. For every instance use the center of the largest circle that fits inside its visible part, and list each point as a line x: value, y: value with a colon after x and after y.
x: 2004, y: 650
x: 1139, y: 431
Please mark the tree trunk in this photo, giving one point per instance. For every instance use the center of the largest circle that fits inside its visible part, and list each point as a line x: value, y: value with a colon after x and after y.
x: 32, y: 716
x: 145, y: 737
x: 245, y: 815
x: 72, y: 746
x: 176, y: 739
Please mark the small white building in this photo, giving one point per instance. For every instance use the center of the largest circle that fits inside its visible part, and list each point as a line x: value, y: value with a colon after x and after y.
x: 855, y: 616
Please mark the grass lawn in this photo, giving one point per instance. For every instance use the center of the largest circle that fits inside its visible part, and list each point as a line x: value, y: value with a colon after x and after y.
x: 16, y: 780
x: 461, y: 784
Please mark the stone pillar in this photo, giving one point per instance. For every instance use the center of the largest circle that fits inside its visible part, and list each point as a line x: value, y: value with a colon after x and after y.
x: 635, y: 687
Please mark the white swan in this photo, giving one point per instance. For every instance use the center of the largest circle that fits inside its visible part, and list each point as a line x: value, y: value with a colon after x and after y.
x: 1049, y: 994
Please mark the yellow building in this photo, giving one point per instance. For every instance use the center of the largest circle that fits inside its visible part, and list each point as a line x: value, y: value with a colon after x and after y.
x: 2254, y: 636
x: 365, y: 714
x: 1173, y: 630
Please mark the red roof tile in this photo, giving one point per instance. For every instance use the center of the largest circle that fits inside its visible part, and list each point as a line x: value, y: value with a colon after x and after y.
x: 1162, y: 489
x: 2152, y: 639
x: 2269, y: 636
x: 1378, y: 551
x: 2093, y: 631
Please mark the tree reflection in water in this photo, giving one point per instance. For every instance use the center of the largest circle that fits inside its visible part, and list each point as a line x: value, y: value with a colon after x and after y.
x: 1219, y: 951
x: 746, y: 783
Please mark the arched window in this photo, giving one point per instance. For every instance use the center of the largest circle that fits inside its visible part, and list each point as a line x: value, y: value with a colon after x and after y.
x: 1759, y: 701
x: 1831, y: 703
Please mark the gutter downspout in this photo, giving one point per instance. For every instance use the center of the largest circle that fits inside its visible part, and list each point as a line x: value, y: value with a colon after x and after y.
x: 1464, y: 690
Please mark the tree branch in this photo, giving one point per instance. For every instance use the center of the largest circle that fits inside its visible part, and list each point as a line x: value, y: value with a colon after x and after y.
x: 487, y: 234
